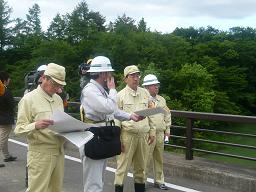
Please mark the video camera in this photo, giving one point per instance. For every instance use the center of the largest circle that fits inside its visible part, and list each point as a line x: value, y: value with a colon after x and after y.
x: 83, y: 67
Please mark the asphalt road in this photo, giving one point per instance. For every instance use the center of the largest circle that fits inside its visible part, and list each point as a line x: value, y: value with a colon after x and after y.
x: 12, y: 177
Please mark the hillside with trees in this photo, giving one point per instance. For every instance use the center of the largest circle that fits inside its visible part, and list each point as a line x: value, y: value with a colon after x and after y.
x: 204, y: 69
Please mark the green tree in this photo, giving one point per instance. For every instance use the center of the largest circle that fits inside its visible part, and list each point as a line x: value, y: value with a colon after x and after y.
x: 33, y: 23
x: 58, y: 28
x: 241, y: 33
x: 5, y: 21
x: 202, y: 69
x: 142, y: 26
x: 84, y: 24
x: 194, y: 87
x: 19, y: 33
x: 188, y: 33
x: 221, y: 58
x: 124, y: 24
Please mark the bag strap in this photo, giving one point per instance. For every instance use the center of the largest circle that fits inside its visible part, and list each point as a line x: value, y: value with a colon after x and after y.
x: 110, y: 123
x: 82, y: 113
x: 85, y: 119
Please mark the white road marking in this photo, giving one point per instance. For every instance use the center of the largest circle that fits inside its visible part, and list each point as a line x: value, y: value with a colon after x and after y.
x: 150, y: 180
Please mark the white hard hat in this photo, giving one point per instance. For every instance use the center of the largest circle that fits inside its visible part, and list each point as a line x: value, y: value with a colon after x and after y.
x: 100, y: 64
x: 150, y: 80
x: 41, y: 68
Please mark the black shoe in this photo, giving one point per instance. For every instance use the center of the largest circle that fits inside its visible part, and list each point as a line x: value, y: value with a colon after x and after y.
x: 139, y: 187
x: 11, y: 158
x: 119, y: 188
x: 2, y: 165
x: 161, y: 186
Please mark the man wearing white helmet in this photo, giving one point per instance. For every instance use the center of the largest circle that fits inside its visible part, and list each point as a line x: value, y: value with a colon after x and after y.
x: 163, y: 123
x: 40, y: 71
x: 33, y: 78
x: 100, y: 107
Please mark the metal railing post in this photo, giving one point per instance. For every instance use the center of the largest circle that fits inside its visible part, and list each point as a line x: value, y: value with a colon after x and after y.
x: 189, y: 140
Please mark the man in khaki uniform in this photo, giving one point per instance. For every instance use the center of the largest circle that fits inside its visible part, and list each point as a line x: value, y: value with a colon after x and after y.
x: 45, y: 159
x: 162, y: 123
x: 135, y: 136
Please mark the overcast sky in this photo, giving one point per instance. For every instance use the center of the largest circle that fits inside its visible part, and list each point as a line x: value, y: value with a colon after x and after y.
x: 161, y: 15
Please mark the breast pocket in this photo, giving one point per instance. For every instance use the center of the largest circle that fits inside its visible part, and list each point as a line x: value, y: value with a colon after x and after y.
x: 42, y: 112
x: 143, y: 104
x: 128, y: 107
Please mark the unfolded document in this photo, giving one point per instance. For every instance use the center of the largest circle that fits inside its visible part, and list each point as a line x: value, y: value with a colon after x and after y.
x: 150, y: 111
x: 70, y: 128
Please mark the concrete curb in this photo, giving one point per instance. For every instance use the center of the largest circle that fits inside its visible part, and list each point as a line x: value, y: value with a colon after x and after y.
x: 209, y: 172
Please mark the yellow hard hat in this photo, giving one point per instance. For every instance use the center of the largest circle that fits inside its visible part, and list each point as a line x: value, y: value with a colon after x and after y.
x: 89, y: 61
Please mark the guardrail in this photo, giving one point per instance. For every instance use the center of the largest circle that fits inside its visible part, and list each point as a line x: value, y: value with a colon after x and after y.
x: 189, y: 138
x: 190, y: 130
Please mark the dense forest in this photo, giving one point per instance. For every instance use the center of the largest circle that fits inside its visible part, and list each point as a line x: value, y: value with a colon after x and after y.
x: 200, y: 69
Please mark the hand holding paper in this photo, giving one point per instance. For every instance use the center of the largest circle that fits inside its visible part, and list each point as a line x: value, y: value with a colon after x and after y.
x: 65, y: 123
x: 135, y: 117
x: 70, y: 128
x: 150, y: 111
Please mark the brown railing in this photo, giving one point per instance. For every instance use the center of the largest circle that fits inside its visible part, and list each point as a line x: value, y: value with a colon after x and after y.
x: 190, y: 117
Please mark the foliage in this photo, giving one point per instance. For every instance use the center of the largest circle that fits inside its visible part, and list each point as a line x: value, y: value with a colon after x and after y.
x: 5, y: 29
x: 203, y: 69
x: 33, y: 23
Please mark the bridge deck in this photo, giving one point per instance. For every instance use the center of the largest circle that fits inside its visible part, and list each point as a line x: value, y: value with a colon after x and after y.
x: 181, y: 175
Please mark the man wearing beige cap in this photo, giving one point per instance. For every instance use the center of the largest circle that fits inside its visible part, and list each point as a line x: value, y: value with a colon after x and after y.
x: 135, y: 136
x: 45, y: 149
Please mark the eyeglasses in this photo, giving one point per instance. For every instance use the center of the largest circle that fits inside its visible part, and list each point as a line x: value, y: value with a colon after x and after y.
x: 134, y: 75
x: 56, y: 85
x: 156, y: 85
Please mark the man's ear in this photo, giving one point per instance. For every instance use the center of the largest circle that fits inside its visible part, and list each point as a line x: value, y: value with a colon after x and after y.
x: 125, y: 79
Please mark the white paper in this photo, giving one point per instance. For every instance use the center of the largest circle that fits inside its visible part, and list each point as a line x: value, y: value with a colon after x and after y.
x: 150, y: 111
x: 78, y: 138
x: 64, y: 123
x: 70, y: 128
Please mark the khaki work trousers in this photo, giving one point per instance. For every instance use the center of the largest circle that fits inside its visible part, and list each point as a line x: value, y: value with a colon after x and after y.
x: 45, y: 171
x: 5, y: 131
x: 155, y: 155
x: 135, y: 150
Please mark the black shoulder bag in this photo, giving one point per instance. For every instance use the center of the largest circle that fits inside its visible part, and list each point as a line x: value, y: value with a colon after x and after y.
x: 105, y: 143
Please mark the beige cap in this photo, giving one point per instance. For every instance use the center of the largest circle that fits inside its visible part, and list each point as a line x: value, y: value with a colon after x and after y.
x: 130, y: 70
x: 56, y: 72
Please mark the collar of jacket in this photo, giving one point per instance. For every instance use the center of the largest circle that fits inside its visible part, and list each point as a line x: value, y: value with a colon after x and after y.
x: 45, y: 95
x: 132, y: 92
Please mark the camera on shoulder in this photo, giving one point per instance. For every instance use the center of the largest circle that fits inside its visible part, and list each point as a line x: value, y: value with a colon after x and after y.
x: 83, y: 67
